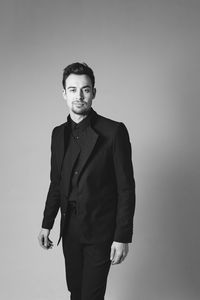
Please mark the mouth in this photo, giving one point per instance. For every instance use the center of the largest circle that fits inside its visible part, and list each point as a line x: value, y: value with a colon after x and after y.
x: 78, y: 103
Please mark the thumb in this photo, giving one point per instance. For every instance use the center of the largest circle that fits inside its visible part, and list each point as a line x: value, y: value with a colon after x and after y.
x: 112, y: 253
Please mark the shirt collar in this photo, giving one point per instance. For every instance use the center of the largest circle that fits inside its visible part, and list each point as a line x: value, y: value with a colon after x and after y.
x: 82, y: 124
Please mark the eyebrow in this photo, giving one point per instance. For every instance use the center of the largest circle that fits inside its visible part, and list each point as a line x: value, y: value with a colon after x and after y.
x: 73, y: 87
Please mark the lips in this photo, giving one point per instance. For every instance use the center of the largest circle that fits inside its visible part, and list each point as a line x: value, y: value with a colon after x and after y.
x: 78, y: 103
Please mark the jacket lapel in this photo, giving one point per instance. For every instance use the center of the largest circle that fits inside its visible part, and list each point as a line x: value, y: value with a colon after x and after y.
x: 63, y: 140
x: 92, y: 137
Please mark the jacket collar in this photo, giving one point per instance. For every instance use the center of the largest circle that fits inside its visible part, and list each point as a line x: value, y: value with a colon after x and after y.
x: 89, y: 120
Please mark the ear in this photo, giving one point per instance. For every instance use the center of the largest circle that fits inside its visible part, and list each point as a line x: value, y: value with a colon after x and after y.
x: 94, y: 92
x: 64, y: 94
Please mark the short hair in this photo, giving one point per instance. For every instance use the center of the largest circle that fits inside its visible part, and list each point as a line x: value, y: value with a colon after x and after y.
x: 79, y: 69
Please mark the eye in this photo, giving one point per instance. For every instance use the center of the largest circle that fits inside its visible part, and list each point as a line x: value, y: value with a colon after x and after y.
x: 72, y: 90
x: 86, y: 90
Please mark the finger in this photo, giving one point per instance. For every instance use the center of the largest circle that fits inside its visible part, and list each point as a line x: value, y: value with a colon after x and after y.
x: 124, y: 254
x: 117, y: 257
x: 45, y: 241
x: 50, y: 244
x: 122, y: 258
x: 117, y: 260
x: 41, y: 240
x: 126, y: 250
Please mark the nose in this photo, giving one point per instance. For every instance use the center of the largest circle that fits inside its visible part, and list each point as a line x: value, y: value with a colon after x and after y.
x: 80, y: 95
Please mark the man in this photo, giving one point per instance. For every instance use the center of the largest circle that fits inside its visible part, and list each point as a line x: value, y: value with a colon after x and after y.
x: 93, y: 185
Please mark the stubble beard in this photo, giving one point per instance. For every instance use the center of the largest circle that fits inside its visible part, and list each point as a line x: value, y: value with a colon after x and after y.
x: 83, y: 110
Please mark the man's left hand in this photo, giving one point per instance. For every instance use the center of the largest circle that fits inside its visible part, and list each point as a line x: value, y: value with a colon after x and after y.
x: 118, y: 252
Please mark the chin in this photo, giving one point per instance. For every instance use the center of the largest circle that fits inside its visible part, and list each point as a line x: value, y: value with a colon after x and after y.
x: 81, y: 111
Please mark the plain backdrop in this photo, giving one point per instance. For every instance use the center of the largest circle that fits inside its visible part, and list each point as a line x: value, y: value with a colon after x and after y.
x: 145, y: 55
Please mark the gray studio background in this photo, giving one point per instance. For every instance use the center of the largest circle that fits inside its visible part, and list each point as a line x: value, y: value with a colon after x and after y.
x: 145, y: 55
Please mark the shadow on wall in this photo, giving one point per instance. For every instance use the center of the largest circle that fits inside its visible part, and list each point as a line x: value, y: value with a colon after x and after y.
x: 181, y: 174
x: 169, y: 263
x: 179, y: 224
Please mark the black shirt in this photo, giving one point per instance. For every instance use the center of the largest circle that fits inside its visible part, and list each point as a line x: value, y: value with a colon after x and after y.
x: 79, y: 132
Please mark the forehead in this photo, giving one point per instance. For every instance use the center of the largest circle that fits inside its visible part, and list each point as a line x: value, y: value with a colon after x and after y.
x: 78, y: 80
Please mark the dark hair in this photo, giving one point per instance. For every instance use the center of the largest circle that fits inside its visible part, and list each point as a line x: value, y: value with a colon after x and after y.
x: 79, y: 69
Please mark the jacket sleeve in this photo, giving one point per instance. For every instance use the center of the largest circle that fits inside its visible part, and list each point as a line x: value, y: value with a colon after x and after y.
x: 53, y: 197
x: 125, y: 185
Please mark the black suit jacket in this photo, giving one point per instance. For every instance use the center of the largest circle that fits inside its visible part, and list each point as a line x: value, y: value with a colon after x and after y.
x: 106, y: 185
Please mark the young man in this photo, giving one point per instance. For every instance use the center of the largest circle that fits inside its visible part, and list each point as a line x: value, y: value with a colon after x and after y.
x: 92, y: 183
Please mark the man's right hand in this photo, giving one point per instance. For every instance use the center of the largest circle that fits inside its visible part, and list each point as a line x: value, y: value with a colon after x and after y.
x: 44, y: 240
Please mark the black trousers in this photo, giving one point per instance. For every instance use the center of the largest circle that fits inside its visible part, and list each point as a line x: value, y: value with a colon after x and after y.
x: 86, y: 265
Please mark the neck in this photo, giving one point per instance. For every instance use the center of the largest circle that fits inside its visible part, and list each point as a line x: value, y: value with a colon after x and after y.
x: 76, y: 117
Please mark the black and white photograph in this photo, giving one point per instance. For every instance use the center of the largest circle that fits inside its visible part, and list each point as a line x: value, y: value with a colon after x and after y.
x: 100, y: 149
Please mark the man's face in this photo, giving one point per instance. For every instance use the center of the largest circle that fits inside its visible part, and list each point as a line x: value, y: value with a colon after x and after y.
x: 79, y: 93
